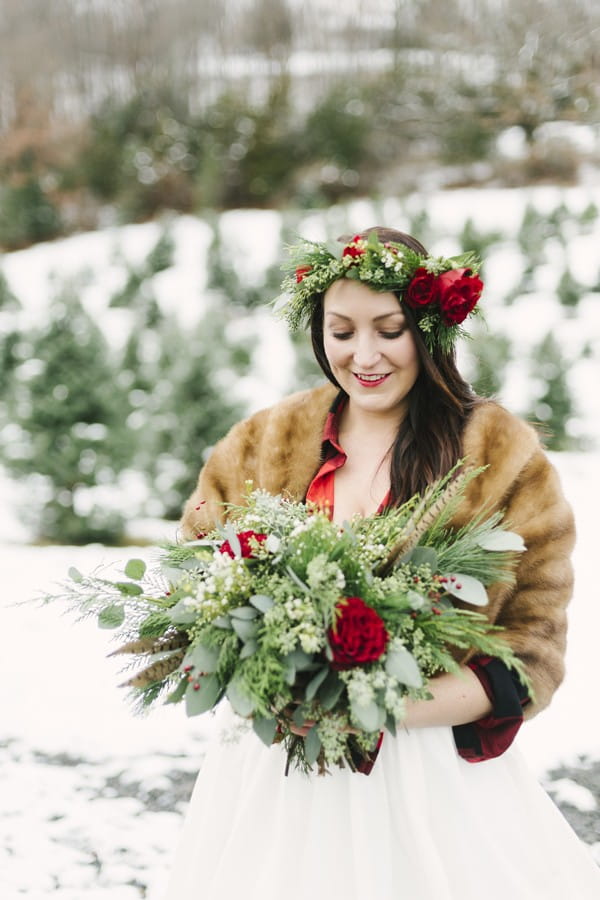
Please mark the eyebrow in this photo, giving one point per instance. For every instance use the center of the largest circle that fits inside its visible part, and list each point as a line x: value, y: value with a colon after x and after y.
x: 396, y: 312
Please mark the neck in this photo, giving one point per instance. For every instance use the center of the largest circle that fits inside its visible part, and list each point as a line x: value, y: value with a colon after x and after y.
x: 373, y: 426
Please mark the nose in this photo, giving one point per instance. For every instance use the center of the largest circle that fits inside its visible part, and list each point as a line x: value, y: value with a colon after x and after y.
x: 366, y: 352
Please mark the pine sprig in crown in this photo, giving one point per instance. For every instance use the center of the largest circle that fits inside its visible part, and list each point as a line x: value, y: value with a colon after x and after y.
x: 441, y: 291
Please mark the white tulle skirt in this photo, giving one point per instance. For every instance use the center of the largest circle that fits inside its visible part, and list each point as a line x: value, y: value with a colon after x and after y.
x: 424, y: 825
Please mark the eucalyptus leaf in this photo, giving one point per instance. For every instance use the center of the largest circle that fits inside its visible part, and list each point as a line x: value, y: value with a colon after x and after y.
x: 367, y: 716
x: 230, y: 535
x: 312, y: 746
x: 135, y: 568
x: 179, y: 693
x: 315, y: 683
x: 203, y: 658
x: 331, y: 690
x: 424, y: 556
x: 180, y: 614
x: 299, y: 716
x: 390, y: 724
x: 249, y: 649
x: 201, y: 699
x: 299, y: 659
x: 467, y: 588
x: 289, y: 671
x: 262, y: 602
x: 402, y: 665
x: 239, y: 699
x: 297, y: 581
x: 111, y: 616
x: 244, y: 629
x: 500, y: 541
x: 128, y: 588
x: 243, y: 612
x: 222, y: 622
x: 75, y: 575
x: 265, y: 729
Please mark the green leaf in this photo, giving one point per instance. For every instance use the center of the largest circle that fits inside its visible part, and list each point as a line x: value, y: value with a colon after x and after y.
x: 178, y: 694
x: 243, y: 612
x: 265, y: 729
x: 249, y: 649
x: 75, y: 575
x: 312, y: 746
x: 239, y: 699
x: 111, y: 616
x: 500, y: 541
x: 222, y: 622
x: 402, y: 665
x: 424, y: 556
x: 467, y: 588
x: 230, y: 535
x: 135, y: 569
x: 315, y: 683
x: 299, y: 716
x: 128, y: 588
x: 299, y: 659
x: 390, y: 724
x: 200, y: 700
x: 244, y: 629
x: 297, y: 581
x: 180, y: 614
x: 331, y: 690
x: 367, y: 716
x: 262, y: 602
x: 289, y: 671
x: 203, y: 658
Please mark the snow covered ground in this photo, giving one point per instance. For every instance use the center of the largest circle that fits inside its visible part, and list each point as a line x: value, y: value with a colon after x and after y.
x: 90, y: 797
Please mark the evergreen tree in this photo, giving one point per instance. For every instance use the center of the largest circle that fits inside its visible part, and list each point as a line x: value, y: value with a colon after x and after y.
x: 70, y: 416
x: 553, y: 407
x: 491, y: 354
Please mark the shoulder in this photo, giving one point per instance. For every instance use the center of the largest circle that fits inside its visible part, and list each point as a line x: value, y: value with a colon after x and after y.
x: 517, y: 470
x: 304, y: 411
x: 493, y: 432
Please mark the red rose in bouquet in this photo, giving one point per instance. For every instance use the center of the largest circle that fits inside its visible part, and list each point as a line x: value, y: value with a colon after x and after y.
x: 358, y: 635
x: 245, y: 538
x: 459, y: 291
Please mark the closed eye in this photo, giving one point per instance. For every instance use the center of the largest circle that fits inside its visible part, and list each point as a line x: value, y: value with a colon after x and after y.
x: 342, y: 335
x: 390, y: 335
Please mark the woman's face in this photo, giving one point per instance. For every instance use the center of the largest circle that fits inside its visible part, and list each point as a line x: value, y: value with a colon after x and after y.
x: 369, y: 347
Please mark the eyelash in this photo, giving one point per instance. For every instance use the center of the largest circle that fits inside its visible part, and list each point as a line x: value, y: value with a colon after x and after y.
x: 388, y: 335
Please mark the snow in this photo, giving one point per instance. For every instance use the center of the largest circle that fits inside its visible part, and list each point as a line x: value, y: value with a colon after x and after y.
x: 77, y: 767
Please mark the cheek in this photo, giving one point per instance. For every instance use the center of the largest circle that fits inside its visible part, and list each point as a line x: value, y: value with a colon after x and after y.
x: 333, y: 351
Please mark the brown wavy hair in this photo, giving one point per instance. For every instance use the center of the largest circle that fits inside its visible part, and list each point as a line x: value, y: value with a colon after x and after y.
x: 429, y: 439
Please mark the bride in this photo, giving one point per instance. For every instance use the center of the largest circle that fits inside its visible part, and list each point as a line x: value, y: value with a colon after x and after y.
x: 448, y: 810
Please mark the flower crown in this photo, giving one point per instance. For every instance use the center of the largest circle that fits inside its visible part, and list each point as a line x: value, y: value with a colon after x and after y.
x: 442, y: 292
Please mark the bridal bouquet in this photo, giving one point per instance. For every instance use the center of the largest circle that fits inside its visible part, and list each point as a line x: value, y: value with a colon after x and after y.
x: 303, y: 624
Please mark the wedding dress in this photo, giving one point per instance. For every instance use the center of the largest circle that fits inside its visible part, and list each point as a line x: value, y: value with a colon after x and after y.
x: 424, y: 825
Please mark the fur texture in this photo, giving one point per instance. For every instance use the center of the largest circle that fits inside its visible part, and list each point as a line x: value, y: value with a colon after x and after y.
x: 278, y: 449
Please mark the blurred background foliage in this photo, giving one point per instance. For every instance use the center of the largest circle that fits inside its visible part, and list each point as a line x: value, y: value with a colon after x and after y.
x: 124, y: 112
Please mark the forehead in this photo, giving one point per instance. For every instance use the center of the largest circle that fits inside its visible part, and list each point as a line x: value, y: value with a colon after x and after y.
x: 348, y: 297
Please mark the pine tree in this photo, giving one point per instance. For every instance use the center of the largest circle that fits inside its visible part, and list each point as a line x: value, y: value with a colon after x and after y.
x: 70, y: 415
x: 553, y: 407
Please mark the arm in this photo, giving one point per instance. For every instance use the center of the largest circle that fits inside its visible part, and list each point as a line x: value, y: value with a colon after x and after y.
x: 457, y: 699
